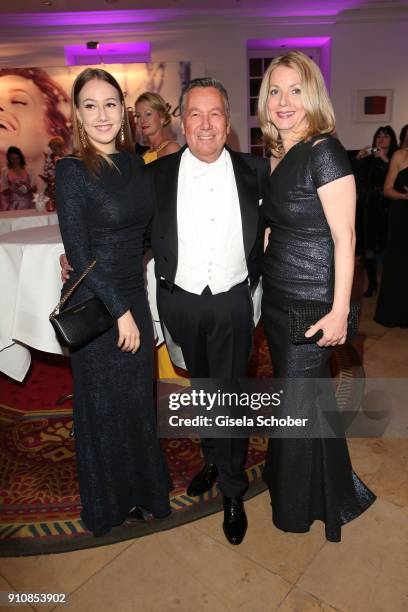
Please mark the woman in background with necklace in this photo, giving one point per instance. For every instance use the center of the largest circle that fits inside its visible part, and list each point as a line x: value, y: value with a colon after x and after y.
x: 152, y: 118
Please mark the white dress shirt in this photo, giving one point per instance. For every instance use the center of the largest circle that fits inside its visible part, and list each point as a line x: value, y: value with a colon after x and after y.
x: 210, y: 241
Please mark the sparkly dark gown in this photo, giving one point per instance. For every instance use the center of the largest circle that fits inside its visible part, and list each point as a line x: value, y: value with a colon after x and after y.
x: 392, y: 304
x: 308, y: 478
x: 119, y: 459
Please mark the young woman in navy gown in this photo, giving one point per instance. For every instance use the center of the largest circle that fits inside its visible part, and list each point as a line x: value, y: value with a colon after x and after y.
x: 104, y: 209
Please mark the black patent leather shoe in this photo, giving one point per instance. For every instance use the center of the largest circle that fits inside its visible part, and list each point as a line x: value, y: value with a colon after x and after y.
x: 135, y: 515
x: 235, y: 520
x: 203, y: 481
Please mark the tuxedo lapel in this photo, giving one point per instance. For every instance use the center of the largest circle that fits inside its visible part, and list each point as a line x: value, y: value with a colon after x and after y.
x: 248, y: 194
x: 166, y: 185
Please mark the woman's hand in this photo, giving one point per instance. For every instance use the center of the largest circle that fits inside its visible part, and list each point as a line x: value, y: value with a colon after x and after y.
x: 363, y: 153
x: 380, y: 154
x: 129, y: 336
x: 266, y: 238
x: 334, y: 327
x: 65, y: 267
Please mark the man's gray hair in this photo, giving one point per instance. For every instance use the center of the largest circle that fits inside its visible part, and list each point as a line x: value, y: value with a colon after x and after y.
x: 205, y: 82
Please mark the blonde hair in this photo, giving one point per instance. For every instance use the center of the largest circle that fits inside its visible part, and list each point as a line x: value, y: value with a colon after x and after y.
x: 315, y: 98
x: 82, y: 146
x: 157, y: 103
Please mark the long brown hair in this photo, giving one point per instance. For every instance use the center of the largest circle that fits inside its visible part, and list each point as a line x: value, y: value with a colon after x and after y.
x: 316, y: 101
x: 82, y: 147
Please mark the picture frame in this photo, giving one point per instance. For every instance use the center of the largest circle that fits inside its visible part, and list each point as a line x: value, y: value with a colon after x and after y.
x: 374, y: 105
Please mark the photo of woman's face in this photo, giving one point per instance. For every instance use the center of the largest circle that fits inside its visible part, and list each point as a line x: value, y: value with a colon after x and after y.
x: 22, y: 116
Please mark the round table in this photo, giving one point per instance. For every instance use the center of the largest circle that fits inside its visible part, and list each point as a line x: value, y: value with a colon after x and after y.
x: 12, y: 220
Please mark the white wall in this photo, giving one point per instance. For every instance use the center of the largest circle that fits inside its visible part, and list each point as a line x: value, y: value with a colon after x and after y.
x: 369, y: 56
x: 369, y: 51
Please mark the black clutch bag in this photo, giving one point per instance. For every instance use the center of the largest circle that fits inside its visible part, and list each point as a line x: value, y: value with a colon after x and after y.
x: 304, y: 314
x: 81, y: 323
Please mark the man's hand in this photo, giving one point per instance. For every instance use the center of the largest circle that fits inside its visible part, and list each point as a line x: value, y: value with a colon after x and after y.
x: 65, y: 267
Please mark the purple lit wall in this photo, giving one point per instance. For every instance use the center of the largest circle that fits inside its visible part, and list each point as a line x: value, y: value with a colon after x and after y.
x: 108, y: 53
x: 292, y: 8
x: 86, y: 18
x: 323, y: 43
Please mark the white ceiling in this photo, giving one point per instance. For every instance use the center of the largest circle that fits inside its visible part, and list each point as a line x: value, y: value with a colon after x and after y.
x: 273, y: 7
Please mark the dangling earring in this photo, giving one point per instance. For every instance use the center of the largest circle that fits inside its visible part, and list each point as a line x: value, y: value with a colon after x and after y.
x: 122, y: 132
x: 82, y: 136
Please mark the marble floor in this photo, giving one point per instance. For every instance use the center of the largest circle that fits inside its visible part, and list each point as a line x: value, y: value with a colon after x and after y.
x: 193, y: 568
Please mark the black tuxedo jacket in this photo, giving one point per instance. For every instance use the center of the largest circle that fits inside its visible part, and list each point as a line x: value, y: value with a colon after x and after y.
x: 163, y: 174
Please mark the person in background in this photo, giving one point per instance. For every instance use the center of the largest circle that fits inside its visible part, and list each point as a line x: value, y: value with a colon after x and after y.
x: 392, y: 304
x: 403, y: 137
x: 104, y: 209
x: 152, y: 119
x: 309, y: 206
x: 56, y: 151
x: 17, y: 184
x: 372, y: 165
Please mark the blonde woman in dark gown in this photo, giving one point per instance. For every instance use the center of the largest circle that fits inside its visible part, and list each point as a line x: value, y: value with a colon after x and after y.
x: 309, y: 206
x: 152, y: 120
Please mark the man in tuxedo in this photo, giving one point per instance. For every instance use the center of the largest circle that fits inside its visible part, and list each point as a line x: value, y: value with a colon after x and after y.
x: 207, y: 244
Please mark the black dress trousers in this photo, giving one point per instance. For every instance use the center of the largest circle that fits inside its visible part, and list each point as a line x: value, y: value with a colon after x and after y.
x: 215, y: 336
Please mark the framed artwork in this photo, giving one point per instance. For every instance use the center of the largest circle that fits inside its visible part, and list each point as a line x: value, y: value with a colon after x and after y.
x: 374, y: 105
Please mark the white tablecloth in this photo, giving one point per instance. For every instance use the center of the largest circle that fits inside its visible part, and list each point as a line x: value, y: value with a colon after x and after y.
x: 29, y: 289
x: 12, y: 220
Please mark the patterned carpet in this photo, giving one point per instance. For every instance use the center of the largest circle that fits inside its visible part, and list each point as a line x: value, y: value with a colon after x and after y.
x: 39, y: 498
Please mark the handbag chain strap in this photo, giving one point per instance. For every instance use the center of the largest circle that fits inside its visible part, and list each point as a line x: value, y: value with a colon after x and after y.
x: 74, y: 286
